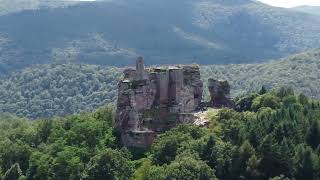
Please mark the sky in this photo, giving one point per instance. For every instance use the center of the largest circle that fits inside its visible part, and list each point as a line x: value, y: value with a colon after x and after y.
x: 291, y: 3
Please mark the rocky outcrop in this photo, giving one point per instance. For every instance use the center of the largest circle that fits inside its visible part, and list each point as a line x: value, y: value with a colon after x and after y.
x: 153, y: 100
x: 220, y: 94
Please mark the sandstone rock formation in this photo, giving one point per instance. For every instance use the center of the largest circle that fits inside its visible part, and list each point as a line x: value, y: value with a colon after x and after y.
x: 153, y: 100
x: 220, y: 94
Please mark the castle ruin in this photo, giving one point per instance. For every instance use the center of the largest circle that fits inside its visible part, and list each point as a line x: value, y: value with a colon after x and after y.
x: 153, y: 100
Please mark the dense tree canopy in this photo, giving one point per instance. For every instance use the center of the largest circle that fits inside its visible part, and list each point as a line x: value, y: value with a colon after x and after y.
x: 55, y: 90
x: 300, y: 72
x: 274, y: 136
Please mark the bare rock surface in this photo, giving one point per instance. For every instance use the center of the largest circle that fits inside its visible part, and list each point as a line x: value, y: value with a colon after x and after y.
x: 154, y: 100
x: 220, y: 94
x: 151, y: 101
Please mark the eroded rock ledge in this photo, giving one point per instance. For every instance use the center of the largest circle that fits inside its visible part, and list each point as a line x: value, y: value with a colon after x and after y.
x: 153, y: 100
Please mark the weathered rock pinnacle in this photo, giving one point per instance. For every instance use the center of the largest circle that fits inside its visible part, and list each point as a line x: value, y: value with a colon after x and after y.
x: 220, y: 94
x: 153, y: 100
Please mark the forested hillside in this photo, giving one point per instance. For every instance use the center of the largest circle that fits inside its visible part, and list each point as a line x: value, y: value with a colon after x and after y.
x: 61, y: 61
x: 308, y: 9
x: 183, y: 31
x: 55, y: 90
x: 299, y: 71
x: 271, y: 135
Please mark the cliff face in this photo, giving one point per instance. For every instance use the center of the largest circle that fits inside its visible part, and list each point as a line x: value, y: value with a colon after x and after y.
x: 153, y: 100
x: 220, y: 94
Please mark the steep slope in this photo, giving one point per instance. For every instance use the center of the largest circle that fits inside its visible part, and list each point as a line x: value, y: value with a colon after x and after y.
x: 308, y: 9
x: 49, y: 90
x: 166, y: 31
x: 52, y: 90
x: 299, y: 71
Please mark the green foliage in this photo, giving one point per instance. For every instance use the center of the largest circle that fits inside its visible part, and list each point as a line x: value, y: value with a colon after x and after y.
x: 281, y: 177
x: 57, y: 90
x: 245, y: 103
x: 217, y: 154
x: 144, y: 170
x: 165, y: 148
x: 303, y: 99
x: 284, y: 92
x: 241, y: 161
x: 266, y: 100
x: 277, y: 138
x: 39, y: 166
x: 289, y: 100
x: 1, y: 173
x: 57, y: 148
x: 307, y: 163
x: 300, y: 72
x: 14, y: 173
x: 266, y: 140
x: 313, y: 135
x: 12, y: 151
x: 274, y: 161
x: 263, y: 90
x: 185, y: 166
x: 108, y: 164
x: 188, y: 167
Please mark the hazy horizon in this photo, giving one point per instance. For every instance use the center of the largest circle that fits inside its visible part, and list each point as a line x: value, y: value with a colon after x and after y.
x: 276, y: 3
x: 291, y: 3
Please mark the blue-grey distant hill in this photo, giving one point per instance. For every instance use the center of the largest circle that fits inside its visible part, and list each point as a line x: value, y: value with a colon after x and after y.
x: 308, y: 9
x: 163, y: 31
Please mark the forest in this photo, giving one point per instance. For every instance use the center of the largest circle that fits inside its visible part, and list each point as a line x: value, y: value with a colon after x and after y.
x: 207, y: 32
x: 50, y: 90
x: 61, y: 62
x: 270, y: 135
x: 299, y: 71
x: 57, y: 90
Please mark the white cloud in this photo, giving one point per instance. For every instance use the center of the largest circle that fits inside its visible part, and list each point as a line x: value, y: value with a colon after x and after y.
x: 291, y: 3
